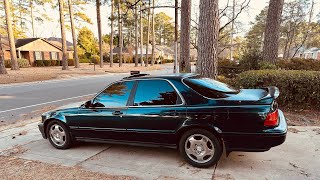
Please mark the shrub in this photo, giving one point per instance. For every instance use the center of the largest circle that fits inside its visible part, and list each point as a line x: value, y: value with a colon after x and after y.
x: 47, y: 63
x: 299, y: 64
x: 23, y: 63
x: 168, y: 60
x: 70, y: 62
x: 266, y: 65
x: 84, y: 60
x: 95, y: 59
x: 38, y: 63
x: 298, y: 89
x: 229, y: 69
x: 250, y: 60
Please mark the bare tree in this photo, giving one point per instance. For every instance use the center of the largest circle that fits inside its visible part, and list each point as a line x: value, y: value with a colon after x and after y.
x: 148, y: 36
x: 98, y: 4
x: 153, y: 36
x: 63, y: 36
x: 2, y: 67
x: 136, y: 36
x: 272, y: 31
x: 141, y: 37
x: 74, y: 39
x: 111, y: 33
x: 185, y: 36
x: 120, y: 32
x: 14, y: 61
x: 208, y: 38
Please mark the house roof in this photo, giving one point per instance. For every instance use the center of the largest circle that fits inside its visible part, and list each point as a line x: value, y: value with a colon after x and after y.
x: 59, y: 40
x: 24, y: 41
x: 125, y: 50
x: 59, y: 45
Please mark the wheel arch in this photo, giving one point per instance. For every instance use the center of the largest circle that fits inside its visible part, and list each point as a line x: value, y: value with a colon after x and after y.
x: 46, y: 122
x: 213, y: 129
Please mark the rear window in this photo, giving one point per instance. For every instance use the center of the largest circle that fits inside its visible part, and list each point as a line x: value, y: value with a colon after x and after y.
x: 210, y: 88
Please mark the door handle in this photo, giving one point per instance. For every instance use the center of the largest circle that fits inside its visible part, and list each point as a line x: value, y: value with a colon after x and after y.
x: 117, y: 113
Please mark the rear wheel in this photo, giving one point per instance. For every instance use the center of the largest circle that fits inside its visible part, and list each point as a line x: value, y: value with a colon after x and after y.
x: 58, y: 135
x: 200, y: 148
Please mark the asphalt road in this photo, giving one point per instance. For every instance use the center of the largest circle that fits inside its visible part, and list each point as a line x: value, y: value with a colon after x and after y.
x: 21, y: 101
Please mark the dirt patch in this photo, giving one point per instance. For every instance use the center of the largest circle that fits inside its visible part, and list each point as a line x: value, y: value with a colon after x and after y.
x: 317, y: 130
x: 294, y: 130
x: 46, y: 73
x: 222, y: 177
x: 13, y: 151
x: 16, y: 168
x: 303, y: 118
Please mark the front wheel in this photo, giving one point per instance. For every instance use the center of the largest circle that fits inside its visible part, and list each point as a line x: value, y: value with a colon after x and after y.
x: 58, y: 135
x: 200, y: 148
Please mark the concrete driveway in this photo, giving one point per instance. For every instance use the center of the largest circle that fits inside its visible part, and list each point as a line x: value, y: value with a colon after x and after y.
x: 297, y: 158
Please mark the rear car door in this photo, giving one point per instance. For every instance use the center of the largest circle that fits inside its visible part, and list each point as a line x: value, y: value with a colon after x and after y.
x: 104, y: 120
x: 155, y: 113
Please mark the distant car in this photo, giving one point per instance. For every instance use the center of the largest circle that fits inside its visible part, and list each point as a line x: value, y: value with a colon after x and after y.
x: 199, y: 116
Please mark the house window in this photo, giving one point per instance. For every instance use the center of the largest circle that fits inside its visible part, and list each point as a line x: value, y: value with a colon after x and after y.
x: 54, y: 55
x: 38, y: 55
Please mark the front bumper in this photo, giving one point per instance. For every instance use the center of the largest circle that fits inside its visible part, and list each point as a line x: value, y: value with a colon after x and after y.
x: 260, y: 141
x: 41, y: 129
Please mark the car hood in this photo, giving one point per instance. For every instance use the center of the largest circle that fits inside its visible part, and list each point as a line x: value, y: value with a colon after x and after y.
x: 69, y: 106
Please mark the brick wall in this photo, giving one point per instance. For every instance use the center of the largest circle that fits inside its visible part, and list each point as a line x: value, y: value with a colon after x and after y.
x: 7, y: 55
x: 46, y: 56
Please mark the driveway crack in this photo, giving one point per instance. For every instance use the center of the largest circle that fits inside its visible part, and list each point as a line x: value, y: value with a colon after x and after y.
x: 78, y: 164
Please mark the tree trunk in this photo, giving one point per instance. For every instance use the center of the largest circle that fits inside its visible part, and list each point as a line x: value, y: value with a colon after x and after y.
x: 208, y: 39
x: 32, y: 18
x: 141, y: 37
x: 175, y: 66
x: 13, y: 53
x: 136, y: 38
x: 153, y: 38
x: 184, y: 64
x: 63, y: 37
x: 2, y: 67
x: 111, y: 33
x: 120, y: 33
x: 272, y: 31
x: 148, y: 36
x: 98, y: 4
x: 74, y: 39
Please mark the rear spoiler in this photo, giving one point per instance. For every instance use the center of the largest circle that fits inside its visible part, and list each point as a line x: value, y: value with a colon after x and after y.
x: 273, y: 92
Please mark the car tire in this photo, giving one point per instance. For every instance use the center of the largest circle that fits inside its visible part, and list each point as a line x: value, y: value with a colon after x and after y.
x: 59, y: 135
x: 200, y: 148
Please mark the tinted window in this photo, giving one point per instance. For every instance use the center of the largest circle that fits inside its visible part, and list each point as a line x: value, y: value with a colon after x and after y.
x: 210, y: 88
x: 155, y: 92
x: 116, y: 95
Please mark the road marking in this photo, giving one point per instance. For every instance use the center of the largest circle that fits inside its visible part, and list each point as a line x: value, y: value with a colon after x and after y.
x: 9, y: 110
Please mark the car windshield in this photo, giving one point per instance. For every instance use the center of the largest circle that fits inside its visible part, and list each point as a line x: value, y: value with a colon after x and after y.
x: 209, y: 87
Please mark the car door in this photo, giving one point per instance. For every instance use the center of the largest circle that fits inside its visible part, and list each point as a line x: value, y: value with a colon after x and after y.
x: 155, y: 113
x: 104, y: 118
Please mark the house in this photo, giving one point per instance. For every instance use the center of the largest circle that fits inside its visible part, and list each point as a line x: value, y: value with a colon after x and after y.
x: 5, y: 47
x: 34, y: 49
x: 312, y: 53
x: 69, y: 48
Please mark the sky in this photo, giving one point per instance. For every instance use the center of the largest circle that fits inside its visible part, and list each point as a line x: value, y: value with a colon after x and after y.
x: 49, y: 29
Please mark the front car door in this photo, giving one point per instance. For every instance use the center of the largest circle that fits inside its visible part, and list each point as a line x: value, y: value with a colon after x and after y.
x: 157, y: 110
x: 104, y: 119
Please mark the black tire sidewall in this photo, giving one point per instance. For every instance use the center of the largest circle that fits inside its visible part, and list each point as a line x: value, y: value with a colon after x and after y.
x: 66, y: 130
x: 216, y: 143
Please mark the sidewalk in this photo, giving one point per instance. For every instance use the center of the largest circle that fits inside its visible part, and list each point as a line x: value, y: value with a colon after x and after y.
x: 297, y: 158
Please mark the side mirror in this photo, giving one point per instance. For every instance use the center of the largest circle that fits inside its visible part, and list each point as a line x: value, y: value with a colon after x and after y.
x: 88, y: 104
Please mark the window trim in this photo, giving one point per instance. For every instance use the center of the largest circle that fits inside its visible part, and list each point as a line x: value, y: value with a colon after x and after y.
x: 170, y: 83
x: 133, y: 95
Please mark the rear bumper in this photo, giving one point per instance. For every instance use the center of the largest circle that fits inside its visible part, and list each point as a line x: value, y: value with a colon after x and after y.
x: 41, y: 129
x: 257, y: 142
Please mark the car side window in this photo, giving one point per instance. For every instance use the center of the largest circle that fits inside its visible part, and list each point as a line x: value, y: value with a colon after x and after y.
x: 116, y: 95
x: 155, y: 92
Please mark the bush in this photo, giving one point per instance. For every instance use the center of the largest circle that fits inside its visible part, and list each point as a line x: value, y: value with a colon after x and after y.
x: 95, y: 59
x: 47, y: 63
x: 84, y: 60
x: 229, y: 69
x: 70, y: 62
x: 39, y: 63
x: 266, y: 65
x: 23, y: 63
x: 299, y: 64
x: 168, y: 60
x: 298, y: 89
x: 250, y: 60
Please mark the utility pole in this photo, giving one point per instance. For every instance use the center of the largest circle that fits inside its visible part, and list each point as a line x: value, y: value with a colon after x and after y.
x: 175, y: 68
x: 232, y: 30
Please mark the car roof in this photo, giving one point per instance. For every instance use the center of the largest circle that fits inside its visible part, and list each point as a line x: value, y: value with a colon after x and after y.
x: 177, y: 76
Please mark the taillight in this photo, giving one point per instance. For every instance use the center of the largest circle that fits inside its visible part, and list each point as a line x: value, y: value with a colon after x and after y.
x: 272, y: 119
